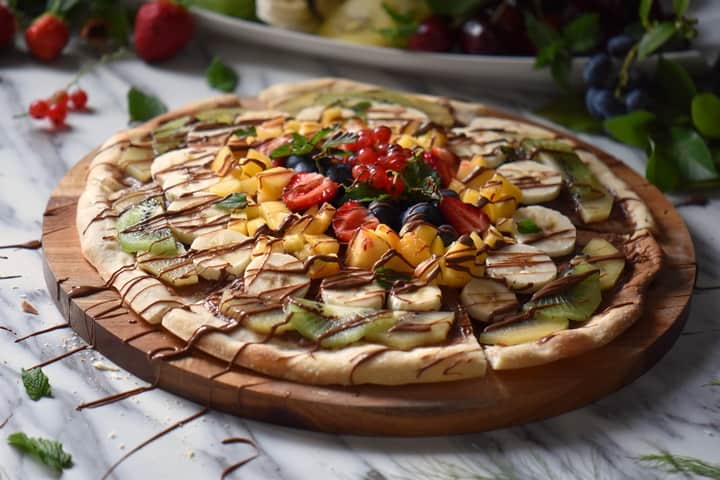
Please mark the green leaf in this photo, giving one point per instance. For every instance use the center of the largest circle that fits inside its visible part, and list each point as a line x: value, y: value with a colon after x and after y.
x: 546, y: 55
x: 142, y: 106
x: 421, y: 181
x: 528, y: 226
x: 693, y: 155
x: 299, y: 145
x: 661, y: 169
x: 680, y: 7
x: 386, y: 277
x: 632, y: 128
x: 362, y: 192
x: 675, y: 86
x: 361, y: 108
x: 706, y: 114
x: 319, y: 135
x: 583, y: 33
x: 570, y: 112
x: 679, y: 464
x: 560, y: 67
x: 655, y: 38
x: 403, y: 28
x: 37, y: 384
x: 232, y: 201
x: 455, y: 8
x: 49, y: 452
x: 644, y: 12
x: 540, y: 33
x: 340, y: 138
x: 245, y: 132
x: 220, y: 76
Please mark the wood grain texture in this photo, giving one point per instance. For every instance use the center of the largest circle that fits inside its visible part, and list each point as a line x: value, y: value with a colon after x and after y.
x: 499, y: 399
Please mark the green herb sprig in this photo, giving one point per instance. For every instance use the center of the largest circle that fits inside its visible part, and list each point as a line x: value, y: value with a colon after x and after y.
x: 49, y: 452
x: 36, y: 383
x: 221, y: 76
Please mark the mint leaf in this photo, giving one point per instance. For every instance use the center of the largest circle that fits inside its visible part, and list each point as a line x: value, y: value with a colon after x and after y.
x: 142, y: 106
x: 245, y: 132
x: 386, y: 277
x: 693, y: 156
x: 661, y: 169
x: 299, y: 145
x: 362, y: 192
x: 675, y: 86
x: 220, y: 76
x: 319, y: 135
x: 680, y: 7
x: 655, y: 38
x: 528, y: 226
x: 37, y: 384
x: 232, y: 201
x: 540, y: 33
x: 421, y: 181
x: 644, y: 12
x: 582, y: 33
x: 361, y: 108
x: 632, y: 128
x: 705, y: 110
x: 49, y: 452
x: 404, y: 26
x: 340, y: 138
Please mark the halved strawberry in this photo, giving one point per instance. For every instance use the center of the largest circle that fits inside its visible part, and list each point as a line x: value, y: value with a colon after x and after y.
x: 349, y: 218
x: 308, y: 189
x: 444, y: 162
x: 465, y: 218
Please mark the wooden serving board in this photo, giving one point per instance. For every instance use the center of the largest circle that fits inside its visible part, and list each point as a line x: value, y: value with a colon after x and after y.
x: 499, y: 399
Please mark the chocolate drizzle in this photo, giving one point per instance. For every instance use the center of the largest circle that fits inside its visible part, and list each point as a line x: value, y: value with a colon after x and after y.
x: 235, y: 466
x: 29, y: 245
x: 115, y: 397
x: 44, y: 330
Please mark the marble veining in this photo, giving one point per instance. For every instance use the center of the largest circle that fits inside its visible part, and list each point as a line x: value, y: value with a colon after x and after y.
x: 670, y: 408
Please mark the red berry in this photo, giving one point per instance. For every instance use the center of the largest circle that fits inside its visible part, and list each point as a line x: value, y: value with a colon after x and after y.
x: 308, y: 189
x: 366, y: 156
x: 479, y: 37
x: 162, y: 28
x: 38, y: 109
x: 381, y: 148
x: 396, y: 162
x: 47, y: 36
x: 7, y: 26
x: 432, y: 35
x: 396, y: 186
x: 382, y: 134
x: 361, y: 173
x: 349, y: 218
x: 57, y: 113
x: 366, y: 138
x: 79, y: 98
x: 61, y: 96
x: 378, y: 177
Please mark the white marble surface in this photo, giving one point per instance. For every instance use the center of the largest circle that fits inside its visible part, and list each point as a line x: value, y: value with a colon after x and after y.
x: 668, y: 408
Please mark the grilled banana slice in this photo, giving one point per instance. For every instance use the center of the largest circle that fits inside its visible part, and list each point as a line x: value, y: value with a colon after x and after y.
x: 423, y: 299
x: 224, y: 250
x: 546, y: 229
x: 290, y: 14
x: 371, y: 295
x: 275, y: 276
x: 538, y: 183
x: 523, y: 267
x: 485, y: 299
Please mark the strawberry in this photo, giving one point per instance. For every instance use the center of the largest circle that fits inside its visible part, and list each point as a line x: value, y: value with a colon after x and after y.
x: 162, y: 28
x: 349, y: 218
x: 7, y: 26
x: 444, y: 162
x: 308, y: 189
x: 465, y: 218
x: 47, y: 36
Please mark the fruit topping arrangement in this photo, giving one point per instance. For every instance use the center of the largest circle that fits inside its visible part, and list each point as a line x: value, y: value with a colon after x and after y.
x: 346, y: 229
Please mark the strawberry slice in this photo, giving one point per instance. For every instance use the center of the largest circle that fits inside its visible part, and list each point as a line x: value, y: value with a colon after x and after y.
x: 308, y: 189
x: 444, y: 162
x: 349, y: 218
x: 465, y: 218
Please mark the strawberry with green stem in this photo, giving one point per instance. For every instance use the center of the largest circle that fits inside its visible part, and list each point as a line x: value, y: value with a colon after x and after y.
x: 48, y: 34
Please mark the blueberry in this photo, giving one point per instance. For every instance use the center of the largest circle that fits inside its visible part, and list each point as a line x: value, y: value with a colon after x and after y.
x: 423, y: 211
x: 306, y: 166
x: 635, y: 79
x: 590, y: 103
x: 386, y: 212
x: 339, y: 173
x: 293, y: 160
x: 447, y: 233
x: 604, y: 104
x: 637, y: 99
x: 446, y: 192
x: 598, y: 71
x: 620, y: 45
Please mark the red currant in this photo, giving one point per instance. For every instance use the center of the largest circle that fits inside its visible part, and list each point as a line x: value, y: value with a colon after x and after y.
x: 366, y: 138
x: 366, y: 156
x: 38, y: 109
x: 382, y: 134
x: 361, y: 173
x: 57, y: 114
x: 396, y: 186
x: 60, y: 97
x: 396, y: 162
x: 79, y: 98
x: 378, y: 177
x: 381, y: 148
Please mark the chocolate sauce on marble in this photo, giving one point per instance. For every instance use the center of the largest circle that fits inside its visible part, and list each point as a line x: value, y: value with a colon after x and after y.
x: 115, y: 397
x: 29, y: 245
x: 237, y: 465
x: 44, y: 330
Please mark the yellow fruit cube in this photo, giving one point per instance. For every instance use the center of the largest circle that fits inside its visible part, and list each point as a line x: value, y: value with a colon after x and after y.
x: 268, y: 132
x: 293, y: 243
x: 437, y: 247
x: 406, y: 141
x: 238, y: 225
x: 292, y: 126
x: 457, y: 186
x: 299, y: 225
x: 309, y: 128
x: 397, y: 263
x: 429, y: 270
x: 271, y: 182
x: 322, y: 244
x: 330, y: 115
x: 425, y: 231
x: 223, y: 162
x: 389, y: 235
x: 414, y: 249
x: 320, y: 221
x: 503, y: 196
x: 230, y: 184
x: 275, y: 214
x: 323, y: 267
x: 365, y: 248
x: 254, y: 225
x: 264, y: 245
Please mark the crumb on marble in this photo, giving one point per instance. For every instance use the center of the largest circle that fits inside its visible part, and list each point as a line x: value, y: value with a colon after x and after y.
x: 28, y: 307
x: 112, y: 435
x: 189, y: 453
x: 98, y: 365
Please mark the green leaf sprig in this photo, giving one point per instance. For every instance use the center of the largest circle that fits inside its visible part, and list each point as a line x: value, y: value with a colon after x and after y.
x: 143, y: 106
x: 36, y: 383
x: 670, y: 463
x: 232, y: 202
x: 301, y: 145
x: 386, y: 277
x: 49, y: 452
x: 221, y: 76
x: 527, y: 226
x: 404, y: 26
x: 250, y: 131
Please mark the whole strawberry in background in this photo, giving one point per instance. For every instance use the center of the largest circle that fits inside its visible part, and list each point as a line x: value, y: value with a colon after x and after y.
x: 162, y: 28
x: 48, y: 34
x: 7, y: 26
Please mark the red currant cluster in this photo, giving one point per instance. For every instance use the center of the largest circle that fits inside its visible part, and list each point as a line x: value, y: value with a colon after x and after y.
x: 56, y: 107
x: 377, y: 162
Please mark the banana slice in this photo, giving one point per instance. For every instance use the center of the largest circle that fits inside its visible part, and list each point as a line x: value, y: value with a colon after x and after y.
x: 607, y: 258
x: 371, y: 295
x: 275, y: 276
x: 556, y: 235
x: 423, y: 299
x: 524, y: 267
x: 222, y: 251
x: 290, y: 14
x: 484, y: 299
x: 539, y: 183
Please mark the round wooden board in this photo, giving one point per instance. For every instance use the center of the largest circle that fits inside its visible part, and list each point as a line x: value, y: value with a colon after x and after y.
x: 499, y: 399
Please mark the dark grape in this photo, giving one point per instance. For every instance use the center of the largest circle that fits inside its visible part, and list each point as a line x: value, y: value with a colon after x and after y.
x: 446, y: 192
x: 448, y: 234
x: 598, y: 71
x: 478, y: 37
x: 423, y: 211
x: 386, y: 212
x: 293, y: 160
x: 305, y: 166
x: 590, y: 102
x: 637, y: 99
x: 620, y: 45
x: 339, y: 173
x: 604, y: 104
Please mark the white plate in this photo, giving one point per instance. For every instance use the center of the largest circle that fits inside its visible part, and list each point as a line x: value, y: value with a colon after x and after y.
x: 485, y: 68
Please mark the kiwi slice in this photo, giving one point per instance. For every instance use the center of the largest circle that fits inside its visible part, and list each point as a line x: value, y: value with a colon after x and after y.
x: 219, y: 115
x: 253, y: 314
x: 523, y: 332
x: 170, y: 135
x: 577, y: 303
x: 316, y: 321
x: 610, y: 269
x: 415, y: 329
x: 177, y: 271
x: 158, y: 242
